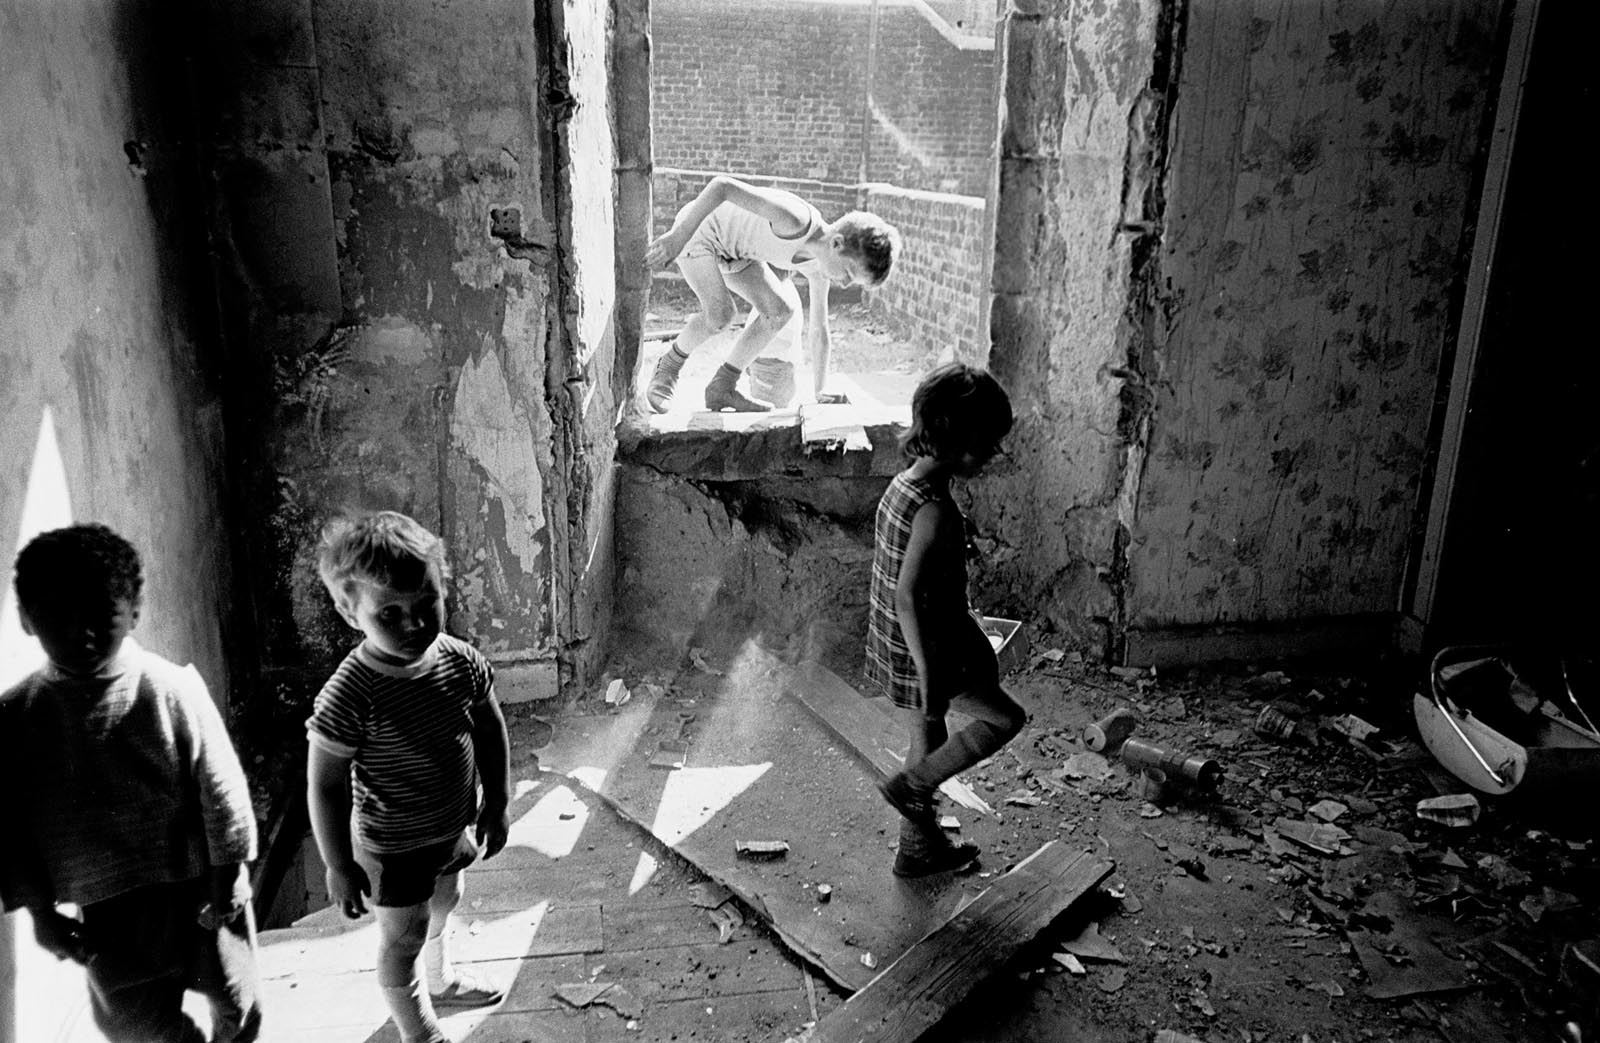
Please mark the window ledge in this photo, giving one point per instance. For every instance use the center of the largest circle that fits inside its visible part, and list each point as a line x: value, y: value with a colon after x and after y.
x: 814, y: 441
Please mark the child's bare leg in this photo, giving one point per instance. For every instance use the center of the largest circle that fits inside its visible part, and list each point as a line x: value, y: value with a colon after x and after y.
x: 775, y: 301
x: 401, y: 933
x: 996, y: 721
x: 717, y: 312
x: 447, y: 986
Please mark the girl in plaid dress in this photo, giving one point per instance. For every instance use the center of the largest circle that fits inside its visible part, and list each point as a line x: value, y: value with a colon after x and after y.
x: 923, y: 643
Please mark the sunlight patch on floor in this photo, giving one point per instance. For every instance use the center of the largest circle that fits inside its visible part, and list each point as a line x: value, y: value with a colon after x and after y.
x: 552, y: 826
x: 693, y: 796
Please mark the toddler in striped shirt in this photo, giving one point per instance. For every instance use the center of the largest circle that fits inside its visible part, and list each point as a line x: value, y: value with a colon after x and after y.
x: 404, y: 732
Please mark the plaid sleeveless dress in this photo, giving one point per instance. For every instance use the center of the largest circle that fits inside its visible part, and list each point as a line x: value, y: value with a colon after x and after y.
x: 888, y: 660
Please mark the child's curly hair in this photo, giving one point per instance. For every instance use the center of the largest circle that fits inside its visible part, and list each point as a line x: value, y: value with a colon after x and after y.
x: 872, y: 239
x: 75, y: 563
x: 385, y: 547
x: 955, y: 409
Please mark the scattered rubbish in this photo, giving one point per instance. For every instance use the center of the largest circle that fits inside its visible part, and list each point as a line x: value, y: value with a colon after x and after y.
x: 1331, y: 987
x: 697, y: 656
x: 1022, y: 798
x: 1455, y: 810
x: 1548, y: 900
x: 708, y: 894
x: 1327, y: 810
x: 1086, y: 766
x: 1153, y: 785
x: 1325, y: 838
x: 1452, y: 860
x: 1109, y: 732
x: 761, y: 850
x: 1112, y: 979
x: 869, y: 961
x: 1502, y: 873
x: 600, y: 993
x: 1268, y: 680
x: 949, y: 822
x: 1200, y: 771
x: 824, y: 893
x: 1089, y: 944
x: 617, y: 693
x: 1226, y: 737
x: 1193, y: 866
x: 1202, y: 1003
x: 727, y: 919
x: 671, y: 753
x: 1148, y: 810
x: 1353, y: 727
x: 1070, y: 962
x: 1273, y: 722
x: 1132, y: 673
x: 964, y: 795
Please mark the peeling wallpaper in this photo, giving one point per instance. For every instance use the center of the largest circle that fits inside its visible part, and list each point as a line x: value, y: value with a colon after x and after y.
x: 1316, y: 197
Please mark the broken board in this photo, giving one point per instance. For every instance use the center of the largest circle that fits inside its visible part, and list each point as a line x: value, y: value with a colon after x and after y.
x: 914, y: 993
x: 865, y: 726
x: 761, y: 766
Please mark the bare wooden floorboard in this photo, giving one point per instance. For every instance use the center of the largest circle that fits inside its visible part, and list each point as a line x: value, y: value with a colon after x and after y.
x: 914, y: 993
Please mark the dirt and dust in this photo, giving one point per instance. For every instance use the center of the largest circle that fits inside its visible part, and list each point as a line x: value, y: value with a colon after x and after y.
x: 1303, y: 900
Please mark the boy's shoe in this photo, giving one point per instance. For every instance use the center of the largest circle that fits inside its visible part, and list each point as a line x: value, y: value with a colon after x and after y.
x: 721, y: 394
x: 916, y: 805
x: 664, y: 380
x: 941, y: 860
x: 466, y: 991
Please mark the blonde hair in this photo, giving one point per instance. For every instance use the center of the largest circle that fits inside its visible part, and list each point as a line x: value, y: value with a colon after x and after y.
x: 385, y: 547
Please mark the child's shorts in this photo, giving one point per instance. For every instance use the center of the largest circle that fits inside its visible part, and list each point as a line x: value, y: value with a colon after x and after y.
x: 408, y: 877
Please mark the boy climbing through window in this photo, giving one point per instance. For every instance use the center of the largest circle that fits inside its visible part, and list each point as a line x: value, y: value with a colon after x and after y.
x: 923, y: 643
x: 735, y: 238
x: 406, y: 729
x: 131, y: 804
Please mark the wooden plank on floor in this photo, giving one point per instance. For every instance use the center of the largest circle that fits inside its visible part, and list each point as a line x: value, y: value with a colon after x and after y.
x: 866, y: 726
x: 913, y: 994
x: 851, y: 717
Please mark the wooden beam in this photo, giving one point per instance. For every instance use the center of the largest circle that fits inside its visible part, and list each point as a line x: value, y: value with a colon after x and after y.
x: 914, y: 993
x: 866, y: 726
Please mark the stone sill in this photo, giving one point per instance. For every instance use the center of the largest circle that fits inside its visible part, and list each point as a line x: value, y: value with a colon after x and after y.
x: 813, y: 441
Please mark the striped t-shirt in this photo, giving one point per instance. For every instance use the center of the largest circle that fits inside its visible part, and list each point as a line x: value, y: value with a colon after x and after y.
x: 408, y: 732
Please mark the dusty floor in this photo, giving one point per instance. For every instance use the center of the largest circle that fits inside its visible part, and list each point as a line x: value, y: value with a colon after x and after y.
x: 1223, y: 926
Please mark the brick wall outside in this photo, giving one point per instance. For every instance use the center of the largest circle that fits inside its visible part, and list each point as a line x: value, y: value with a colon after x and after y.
x: 777, y: 87
x: 935, y: 293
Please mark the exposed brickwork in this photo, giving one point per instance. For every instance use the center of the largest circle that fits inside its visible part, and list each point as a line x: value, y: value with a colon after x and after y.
x: 935, y: 292
x: 778, y: 88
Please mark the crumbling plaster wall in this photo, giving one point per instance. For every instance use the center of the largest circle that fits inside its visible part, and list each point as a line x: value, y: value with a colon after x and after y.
x: 109, y: 384
x: 1077, y: 97
x: 385, y: 175
x: 1322, y: 160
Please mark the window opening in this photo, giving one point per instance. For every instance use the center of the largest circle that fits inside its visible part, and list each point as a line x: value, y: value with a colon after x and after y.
x: 881, y: 106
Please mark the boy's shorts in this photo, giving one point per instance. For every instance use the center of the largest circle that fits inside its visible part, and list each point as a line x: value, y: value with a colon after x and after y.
x: 405, y: 878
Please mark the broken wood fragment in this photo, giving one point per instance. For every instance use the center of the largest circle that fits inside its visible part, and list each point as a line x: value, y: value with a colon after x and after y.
x: 914, y: 992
